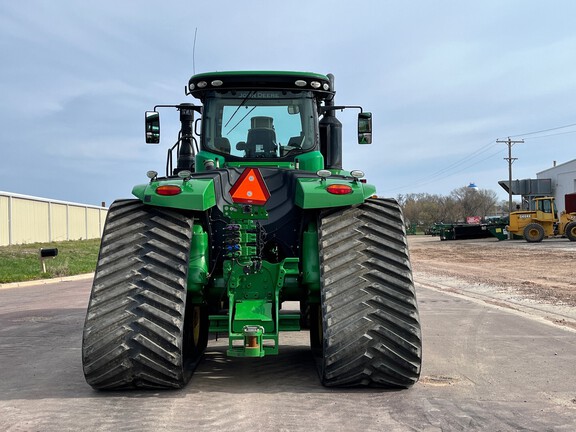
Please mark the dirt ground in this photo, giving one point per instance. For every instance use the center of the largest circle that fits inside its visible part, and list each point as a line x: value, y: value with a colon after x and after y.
x: 543, y: 272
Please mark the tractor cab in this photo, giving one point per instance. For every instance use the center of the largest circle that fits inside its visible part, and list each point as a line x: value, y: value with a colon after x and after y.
x: 280, y: 119
x: 264, y: 125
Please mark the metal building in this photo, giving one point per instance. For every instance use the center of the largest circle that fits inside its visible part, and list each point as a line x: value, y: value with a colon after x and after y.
x: 563, y: 179
x: 29, y: 219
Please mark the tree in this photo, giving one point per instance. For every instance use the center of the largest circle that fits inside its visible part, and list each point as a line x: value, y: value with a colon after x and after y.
x: 472, y: 202
x: 426, y: 209
x: 422, y: 209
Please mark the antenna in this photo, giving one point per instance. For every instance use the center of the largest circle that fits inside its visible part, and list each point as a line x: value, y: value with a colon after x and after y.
x: 194, y: 52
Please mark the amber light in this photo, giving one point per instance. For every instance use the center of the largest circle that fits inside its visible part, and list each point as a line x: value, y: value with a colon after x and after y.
x: 168, y: 190
x: 339, y: 189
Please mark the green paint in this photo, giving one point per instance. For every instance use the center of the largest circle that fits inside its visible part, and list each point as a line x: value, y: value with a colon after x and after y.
x: 198, y: 265
x: 254, y: 288
x: 312, y: 161
x: 311, y: 193
x: 311, y: 263
x: 197, y: 194
x: 253, y: 285
x: 303, y: 75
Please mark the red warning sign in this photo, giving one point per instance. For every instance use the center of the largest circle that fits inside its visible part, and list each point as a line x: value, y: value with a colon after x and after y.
x: 250, y: 188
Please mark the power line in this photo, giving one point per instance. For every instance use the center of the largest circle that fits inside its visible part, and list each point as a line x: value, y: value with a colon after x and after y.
x: 448, y: 170
x: 431, y: 179
x: 549, y: 135
x: 543, y: 130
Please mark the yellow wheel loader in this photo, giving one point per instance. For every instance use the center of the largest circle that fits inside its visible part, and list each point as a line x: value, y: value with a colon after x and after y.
x: 535, y: 225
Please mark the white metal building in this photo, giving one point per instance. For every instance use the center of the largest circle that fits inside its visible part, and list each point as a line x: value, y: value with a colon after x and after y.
x: 563, y: 178
x: 29, y: 219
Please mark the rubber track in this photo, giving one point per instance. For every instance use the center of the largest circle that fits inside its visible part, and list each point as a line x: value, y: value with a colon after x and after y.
x: 371, y: 327
x: 133, y: 334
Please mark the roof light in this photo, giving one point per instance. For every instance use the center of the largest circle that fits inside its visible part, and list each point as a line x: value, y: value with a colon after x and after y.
x: 250, y: 188
x: 202, y: 84
x: 326, y: 86
x: 339, y: 189
x: 300, y: 83
x: 185, y: 174
x: 357, y: 174
x: 315, y: 84
x: 217, y: 83
x: 191, y: 86
x: 168, y: 190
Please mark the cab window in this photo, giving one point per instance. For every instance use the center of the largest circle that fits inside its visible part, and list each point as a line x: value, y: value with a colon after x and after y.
x: 259, y: 124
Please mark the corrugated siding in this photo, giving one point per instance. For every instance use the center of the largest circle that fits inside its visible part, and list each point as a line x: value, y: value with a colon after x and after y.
x: 103, y: 215
x: 93, y: 223
x: 29, y: 221
x: 26, y: 219
x: 4, y: 225
x: 76, y: 223
x: 59, y: 222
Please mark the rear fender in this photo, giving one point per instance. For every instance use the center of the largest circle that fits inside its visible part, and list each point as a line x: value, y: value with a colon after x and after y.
x: 312, y: 193
x: 195, y: 194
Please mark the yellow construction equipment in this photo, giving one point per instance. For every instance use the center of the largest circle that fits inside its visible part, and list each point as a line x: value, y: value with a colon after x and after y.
x: 535, y: 225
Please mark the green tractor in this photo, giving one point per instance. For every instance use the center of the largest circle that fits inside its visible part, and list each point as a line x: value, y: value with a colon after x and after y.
x: 254, y: 212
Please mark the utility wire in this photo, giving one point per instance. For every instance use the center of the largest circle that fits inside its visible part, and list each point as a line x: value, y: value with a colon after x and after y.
x: 448, y: 171
x: 549, y: 135
x: 431, y: 179
x: 465, y: 159
x: 467, y: 162
x: 543, y: 130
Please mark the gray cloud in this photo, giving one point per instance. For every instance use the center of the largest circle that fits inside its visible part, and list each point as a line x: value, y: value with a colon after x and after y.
x: 444, y: 80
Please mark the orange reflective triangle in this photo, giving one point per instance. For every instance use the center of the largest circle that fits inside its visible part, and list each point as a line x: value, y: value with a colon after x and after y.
x: 250, y: 188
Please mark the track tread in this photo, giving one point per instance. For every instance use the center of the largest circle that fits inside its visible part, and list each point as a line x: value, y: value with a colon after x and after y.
x: 371, y: 326
x: 133, y: 334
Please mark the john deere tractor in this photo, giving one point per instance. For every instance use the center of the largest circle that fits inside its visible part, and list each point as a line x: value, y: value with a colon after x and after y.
x: 254, y: 212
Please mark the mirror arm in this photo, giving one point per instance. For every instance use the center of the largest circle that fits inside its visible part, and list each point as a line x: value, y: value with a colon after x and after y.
x: 323, y: 109
x: 197, y: 108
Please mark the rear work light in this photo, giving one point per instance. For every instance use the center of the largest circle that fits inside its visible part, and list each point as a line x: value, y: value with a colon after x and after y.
x: 339, y: 189
x: 168, y: 190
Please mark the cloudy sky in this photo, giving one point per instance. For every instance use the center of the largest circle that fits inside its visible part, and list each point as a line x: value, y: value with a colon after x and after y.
x: 443, y: 79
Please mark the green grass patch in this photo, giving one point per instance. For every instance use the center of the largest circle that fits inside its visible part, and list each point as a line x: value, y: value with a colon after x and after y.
x: 22, y: 263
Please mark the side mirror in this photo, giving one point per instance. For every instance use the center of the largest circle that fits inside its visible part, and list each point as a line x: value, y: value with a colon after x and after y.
x: 152, y: 127
x: 365, y: 128
x: 293, y: 109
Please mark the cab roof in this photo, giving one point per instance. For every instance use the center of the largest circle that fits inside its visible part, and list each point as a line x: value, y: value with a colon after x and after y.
x: 199, y: 84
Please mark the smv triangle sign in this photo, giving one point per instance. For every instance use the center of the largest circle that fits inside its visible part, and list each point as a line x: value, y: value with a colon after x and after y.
x: 250, y: 188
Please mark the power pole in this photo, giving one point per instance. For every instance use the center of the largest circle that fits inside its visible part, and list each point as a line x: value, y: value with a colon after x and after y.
x: 510, y: 160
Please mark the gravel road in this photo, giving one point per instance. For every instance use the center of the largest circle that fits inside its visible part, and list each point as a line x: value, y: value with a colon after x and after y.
x: 535, y: 277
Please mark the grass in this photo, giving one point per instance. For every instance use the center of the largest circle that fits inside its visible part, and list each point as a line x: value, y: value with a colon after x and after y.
x: 22, y: 263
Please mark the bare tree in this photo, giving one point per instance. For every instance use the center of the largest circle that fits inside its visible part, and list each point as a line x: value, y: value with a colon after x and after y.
x: 474, y: 202
x: 426, y: 209
x: 421, y: 209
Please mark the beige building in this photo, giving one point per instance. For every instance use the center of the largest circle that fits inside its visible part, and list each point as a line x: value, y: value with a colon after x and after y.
x: 28, y: 219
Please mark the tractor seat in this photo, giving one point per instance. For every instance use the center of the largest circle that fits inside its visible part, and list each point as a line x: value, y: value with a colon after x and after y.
x: 261, y: 142
x: 222, y: 145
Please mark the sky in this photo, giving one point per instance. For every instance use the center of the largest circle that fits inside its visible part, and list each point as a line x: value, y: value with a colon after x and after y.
x: 444, y: 80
